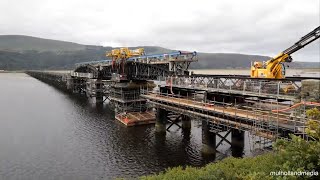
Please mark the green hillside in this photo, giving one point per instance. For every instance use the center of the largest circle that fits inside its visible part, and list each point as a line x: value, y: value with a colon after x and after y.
x: 25, y: 52
x: 26, y: 43
x: 226, y: 60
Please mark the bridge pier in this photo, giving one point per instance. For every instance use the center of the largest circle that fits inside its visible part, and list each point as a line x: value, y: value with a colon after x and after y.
x: 186, y: 122
x: 186, y: 127
x: 99, y: 91
x: 237, y: 142
x: 78, y: 85
x: 208, y: 140
x: 126, y: 97
x: 130, y: 108
x: 57, y: 80
x: 161, y: 120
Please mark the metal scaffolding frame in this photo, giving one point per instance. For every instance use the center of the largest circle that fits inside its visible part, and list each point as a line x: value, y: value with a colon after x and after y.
x: 286, y: 90
x: 127, y: 100
x: 257, y: 120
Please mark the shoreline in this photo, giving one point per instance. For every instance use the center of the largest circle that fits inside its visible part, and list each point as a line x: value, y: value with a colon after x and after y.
x: 317, y: 69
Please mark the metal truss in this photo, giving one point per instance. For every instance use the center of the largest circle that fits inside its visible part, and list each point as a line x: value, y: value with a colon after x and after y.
x: 285, y: 89
x: 87, y: 68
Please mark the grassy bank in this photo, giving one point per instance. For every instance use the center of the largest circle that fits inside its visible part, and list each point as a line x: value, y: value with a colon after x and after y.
x: 297, y: 155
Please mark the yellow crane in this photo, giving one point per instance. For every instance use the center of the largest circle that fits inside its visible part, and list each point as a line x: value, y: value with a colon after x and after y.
x: 274, y: 68
x: 122, y: 54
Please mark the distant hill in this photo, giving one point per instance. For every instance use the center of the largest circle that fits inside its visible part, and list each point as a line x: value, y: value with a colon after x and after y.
x: 226, y: 60
x: 239, y: 61
x: 27, y: 43
x: 26, y: 52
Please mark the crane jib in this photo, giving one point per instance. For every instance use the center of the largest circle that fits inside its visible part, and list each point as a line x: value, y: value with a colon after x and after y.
x: 275, y: 68
x: 305, y: 40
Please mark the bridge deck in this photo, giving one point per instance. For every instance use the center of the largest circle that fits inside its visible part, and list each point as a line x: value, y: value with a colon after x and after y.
x: 239, y: 92
x: 246, y: 119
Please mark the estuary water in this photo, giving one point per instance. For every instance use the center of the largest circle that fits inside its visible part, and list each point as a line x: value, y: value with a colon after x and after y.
x: 48, y: 134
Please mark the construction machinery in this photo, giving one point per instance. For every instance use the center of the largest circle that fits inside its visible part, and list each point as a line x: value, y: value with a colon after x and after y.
x: 124, y: 54
x: 275, y: 68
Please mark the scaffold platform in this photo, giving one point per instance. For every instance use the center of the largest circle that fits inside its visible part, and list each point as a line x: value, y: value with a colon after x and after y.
x: 262, y: 122
x: 136, y: 118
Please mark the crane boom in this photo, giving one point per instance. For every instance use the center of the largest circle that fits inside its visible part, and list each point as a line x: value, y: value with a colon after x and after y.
x: 305, y: 40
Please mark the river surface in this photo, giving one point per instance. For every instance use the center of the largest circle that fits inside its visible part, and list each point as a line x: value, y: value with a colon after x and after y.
x: 48, y: 134
x: 289, y: 72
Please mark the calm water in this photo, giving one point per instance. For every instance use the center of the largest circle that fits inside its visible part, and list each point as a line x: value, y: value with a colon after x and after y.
x: 48, y: 134
x: 289, y: 72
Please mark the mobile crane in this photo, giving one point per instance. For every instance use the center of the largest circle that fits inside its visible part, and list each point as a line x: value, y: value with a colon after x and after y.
x: 274, y: 68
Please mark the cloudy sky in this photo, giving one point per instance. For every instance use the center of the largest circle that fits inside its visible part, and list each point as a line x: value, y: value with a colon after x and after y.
x: 263, y: 27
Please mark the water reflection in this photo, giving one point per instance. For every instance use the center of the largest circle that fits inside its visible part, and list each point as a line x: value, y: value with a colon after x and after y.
x: 47, y: 133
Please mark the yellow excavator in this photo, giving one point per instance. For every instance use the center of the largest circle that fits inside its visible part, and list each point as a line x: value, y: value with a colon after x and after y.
x: 274, y: 68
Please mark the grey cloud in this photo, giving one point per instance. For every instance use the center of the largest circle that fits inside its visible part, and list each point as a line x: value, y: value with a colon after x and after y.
x: 242, y: 36
x: 265, y: 30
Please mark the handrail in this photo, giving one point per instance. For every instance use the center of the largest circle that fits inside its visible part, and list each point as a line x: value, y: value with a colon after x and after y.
x: 297, y: 105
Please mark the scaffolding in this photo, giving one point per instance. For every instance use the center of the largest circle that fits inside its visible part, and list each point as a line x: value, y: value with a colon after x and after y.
x: 96, y: 87
x: 129, y: 107
x: 127, y: 100
x: 259, y: 119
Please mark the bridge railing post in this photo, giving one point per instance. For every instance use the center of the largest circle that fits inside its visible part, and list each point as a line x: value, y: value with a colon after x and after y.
x: 278, y: 88
x: 235, y: 105
x: 260, y: 87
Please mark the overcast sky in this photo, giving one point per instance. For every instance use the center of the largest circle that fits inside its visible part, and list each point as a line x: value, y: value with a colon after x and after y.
x: 264, y: 27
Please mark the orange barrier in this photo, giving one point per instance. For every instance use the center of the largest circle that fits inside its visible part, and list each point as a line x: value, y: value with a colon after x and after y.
x: 297, y: 105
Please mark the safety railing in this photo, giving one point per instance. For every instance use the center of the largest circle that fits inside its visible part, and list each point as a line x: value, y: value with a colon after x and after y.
x: 264, y: 121
x: 246, y: 87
